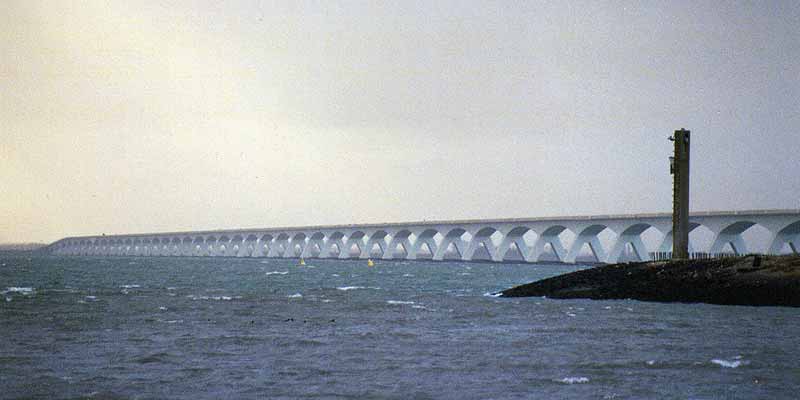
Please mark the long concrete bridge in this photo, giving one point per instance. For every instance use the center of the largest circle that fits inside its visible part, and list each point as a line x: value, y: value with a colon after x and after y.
x: 527, y: 238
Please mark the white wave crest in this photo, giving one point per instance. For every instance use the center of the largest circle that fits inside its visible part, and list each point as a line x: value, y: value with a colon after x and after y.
x: 399, y: 302
x: 490, y: 294
x: 277, y: 273
x: 345, y: 288
x: 130, y: 286
x: 571, y: 380
x: 295, y: 296
x: 736, y: 363
x: 23, y: 290
x: 225, y: 298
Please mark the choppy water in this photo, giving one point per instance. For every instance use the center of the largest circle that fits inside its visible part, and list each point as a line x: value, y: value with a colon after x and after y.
x: 247, y: 328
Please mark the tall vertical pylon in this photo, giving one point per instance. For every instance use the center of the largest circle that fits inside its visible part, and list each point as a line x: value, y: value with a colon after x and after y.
x: 679, y: 168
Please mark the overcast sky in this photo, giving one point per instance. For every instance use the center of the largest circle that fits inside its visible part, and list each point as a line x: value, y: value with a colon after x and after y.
x: 147, y: 116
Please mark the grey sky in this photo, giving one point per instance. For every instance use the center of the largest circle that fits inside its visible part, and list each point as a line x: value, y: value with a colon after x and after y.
x: 149, y: 116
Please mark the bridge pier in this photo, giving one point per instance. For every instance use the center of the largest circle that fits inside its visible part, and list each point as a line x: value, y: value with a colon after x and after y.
x: 424, y: 238
x: 482, y: 237
x: 549, y: 236
x: 400, y: 238
x: 587, y: 236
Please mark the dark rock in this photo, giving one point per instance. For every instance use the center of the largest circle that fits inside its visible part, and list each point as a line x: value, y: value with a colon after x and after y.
x: 761, y: 281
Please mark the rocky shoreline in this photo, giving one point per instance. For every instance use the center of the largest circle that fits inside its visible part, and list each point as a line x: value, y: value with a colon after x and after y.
x: 750, y: 280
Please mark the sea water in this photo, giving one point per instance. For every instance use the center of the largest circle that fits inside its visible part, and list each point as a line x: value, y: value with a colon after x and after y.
x: 209, y: 328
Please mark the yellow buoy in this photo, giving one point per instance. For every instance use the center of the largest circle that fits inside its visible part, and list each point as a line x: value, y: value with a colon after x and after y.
x: 302, y: 262
x: 370, y: 263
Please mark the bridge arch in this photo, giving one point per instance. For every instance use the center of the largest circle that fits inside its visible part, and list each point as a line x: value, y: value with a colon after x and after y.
x: 211, y: 245
x: 630, y: 235
x: 588, y: 237
x: 731, y: 234
x: 355, y: 242
x: 296, y: 245
x: 280, y: 245
x: 250, y: 246
x: 333, y: 246
x: 399, y: 245
x: 376, y: 241
x: 315, y: 245
x: 424, y: 240
x: 482, y: 240
x: 265, y: 245
x: 549, y: 238
x: 452, y: 241
x: 789, y: 235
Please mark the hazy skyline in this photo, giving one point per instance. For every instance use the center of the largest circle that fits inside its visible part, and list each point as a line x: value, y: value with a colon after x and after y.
x: 120, y: 117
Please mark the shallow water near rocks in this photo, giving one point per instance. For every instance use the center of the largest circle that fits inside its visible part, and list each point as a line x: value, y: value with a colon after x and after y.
x: 207, y: 328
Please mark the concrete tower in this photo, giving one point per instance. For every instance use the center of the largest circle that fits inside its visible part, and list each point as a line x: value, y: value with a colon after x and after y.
x: 679, y: 168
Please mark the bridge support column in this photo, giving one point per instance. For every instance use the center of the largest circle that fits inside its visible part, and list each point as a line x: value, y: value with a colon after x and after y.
x: 778, y: 240
x: 666, y: 244
x: 367, y: 250
x: 638, y: 248
x: 278, y: 248
x: 415, y: 249
x: 188, y: 248
x: 401, y: 240
x: 476, y: 242
x: 594, y: 245
x: 513, y: 240
x: 554, y: 241
x: 458, y: 243
x: 734, y: 239
x: 344, y: 253
x: 327, y: 247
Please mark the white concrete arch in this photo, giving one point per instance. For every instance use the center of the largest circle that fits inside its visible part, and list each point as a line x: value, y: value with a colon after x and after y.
x: 482, y: 237
x: 377, y: 238
x: 787, y: 235
x: 210, y: 245
x: 588, y: 236
x: 514, y: 239
x: 666, y: 242
x: 629, y: 235
x: 235, y: 245
x: 136, y: 247
x: 731, y: 234
x: 223, y: 246
x: 355, y: 238
x: 280, y: 245
x: 400, y: 239
x: 427, y: 238
x: 296, y: 245
x: 198, y: 248
x: 453, y: 237
x: 314, y: 246
x: 264, y: 245
x: 333, y: 241
x: 549, y: 236
x: 249, y: 245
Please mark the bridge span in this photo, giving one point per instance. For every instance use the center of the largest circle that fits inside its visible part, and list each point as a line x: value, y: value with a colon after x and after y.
x: 524, y: 238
